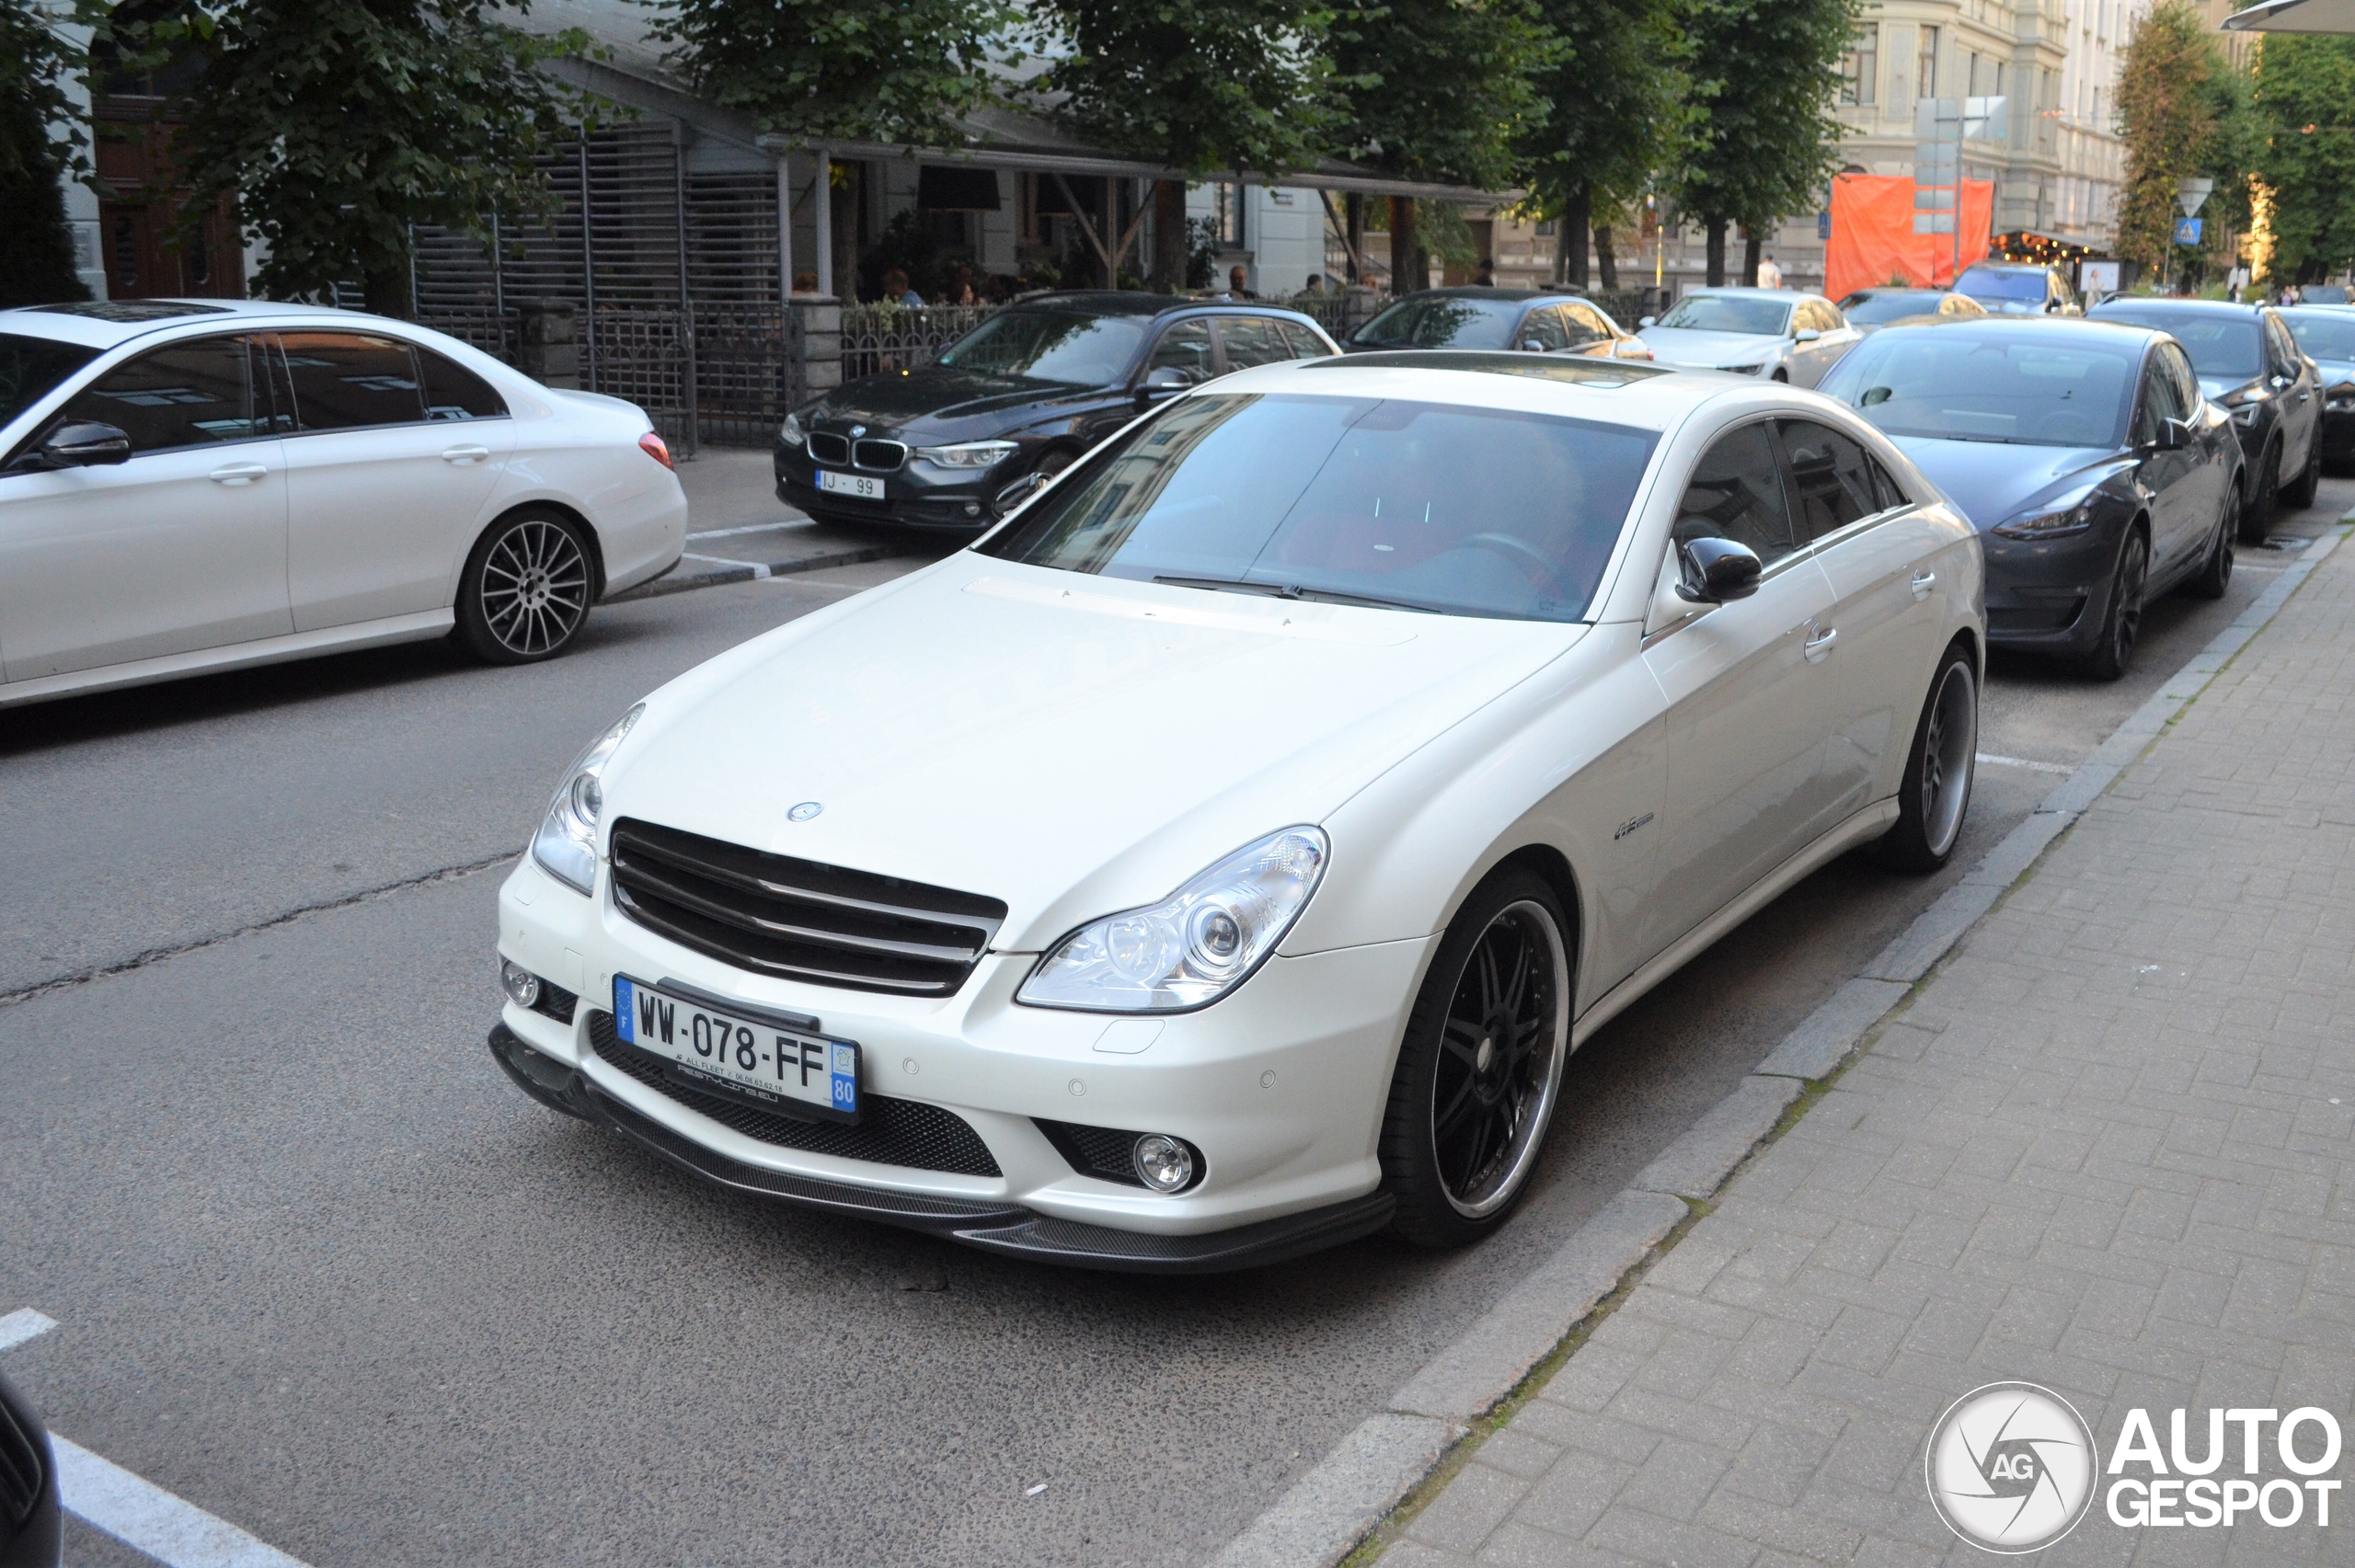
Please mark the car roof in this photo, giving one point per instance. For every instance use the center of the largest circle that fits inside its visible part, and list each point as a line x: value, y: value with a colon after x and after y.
x: 2058, y: 328
x: 1487, y: 292
x: 1747, y: 289
x: 2009, y: 266
x: 1130, y: 302
x: 103, y: 324
x: 1612, y: 392
x: 2184, y: 307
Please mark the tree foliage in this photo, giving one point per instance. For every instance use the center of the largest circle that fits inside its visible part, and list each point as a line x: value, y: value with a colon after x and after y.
x: 335, y: 127
x: 819, y: 70
x: 2167, y: 113
x: 1616, y: 115
x: 36, y: 147
x: 2305, y: 99
x: 1440, y: 89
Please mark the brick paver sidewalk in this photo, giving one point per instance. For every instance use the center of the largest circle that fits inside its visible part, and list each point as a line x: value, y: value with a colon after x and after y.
x: 2109, y: 1148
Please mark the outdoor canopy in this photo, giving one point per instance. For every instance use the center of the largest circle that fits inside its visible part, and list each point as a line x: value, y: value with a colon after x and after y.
x: 2295, y: 16
x: 1873, y: 243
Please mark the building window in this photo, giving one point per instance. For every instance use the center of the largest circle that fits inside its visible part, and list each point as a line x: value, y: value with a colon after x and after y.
x: 1925, y: 65
x: 1862, y: 66
x: 1229, y: 205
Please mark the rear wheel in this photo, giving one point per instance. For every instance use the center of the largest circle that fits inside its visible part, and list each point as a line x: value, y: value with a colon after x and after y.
x: 2123, y: 623
x: 2256, y: 517
x: 525, y: 590
x: 1481, y: 1064
x: 1935, y: 796
x: 2215, y: 574
x: 2301, y: 495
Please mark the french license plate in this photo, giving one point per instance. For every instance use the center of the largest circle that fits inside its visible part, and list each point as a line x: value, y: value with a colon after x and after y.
x: 850, y: 485
x: 749, y: 1055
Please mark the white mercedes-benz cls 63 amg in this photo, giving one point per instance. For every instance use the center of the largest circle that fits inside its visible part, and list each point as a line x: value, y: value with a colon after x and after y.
x: 1220, y: 858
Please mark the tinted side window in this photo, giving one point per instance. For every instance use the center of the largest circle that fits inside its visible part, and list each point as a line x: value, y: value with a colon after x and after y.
x: 1736, y: 493
x: 1886, y: 486
x: 1585, y: 325
x: 1305, y: 345
x: 347, y: 380
x: 453, y: 392
x: 1543, y: 326
x: 2285, y: 348
x: 1831, y: 478
x: 1252, y: 340
x: 1184, y: 347
x: 2161, y: 400
x: 2186, y: 382
x: 193, y: 394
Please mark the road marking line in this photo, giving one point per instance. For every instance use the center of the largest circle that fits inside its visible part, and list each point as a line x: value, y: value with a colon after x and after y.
x: 23, y: 1324
x: 147, y: 1518
x: 748, y: 528
x: 1994, y: 761
x: 755, y: 567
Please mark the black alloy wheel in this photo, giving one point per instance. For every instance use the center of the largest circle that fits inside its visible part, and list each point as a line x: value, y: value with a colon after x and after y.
x: 2215, y: 574
x: 2123, y: 623
x: 2298, y: 496
x: 2256, y: 517
x: 1480, y: 1068
x: 1939, y: 769
x: 526, y: 588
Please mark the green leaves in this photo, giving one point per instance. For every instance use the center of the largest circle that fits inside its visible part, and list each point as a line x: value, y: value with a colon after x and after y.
x: 2167, y: 113
x: 2304, y: 150
x: 1442, y: 90
x: 1768, y: 74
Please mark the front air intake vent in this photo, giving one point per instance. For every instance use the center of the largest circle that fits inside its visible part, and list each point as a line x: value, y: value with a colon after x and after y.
x: 771, y: 914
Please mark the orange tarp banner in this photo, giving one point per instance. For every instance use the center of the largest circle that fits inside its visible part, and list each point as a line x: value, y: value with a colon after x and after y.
x: 1873, y: 243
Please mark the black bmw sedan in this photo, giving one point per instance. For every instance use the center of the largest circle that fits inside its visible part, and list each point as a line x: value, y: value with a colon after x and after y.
x: 2326, y: 335
x: 2249, y: 363
x: 1027, y: 391
x: 2097, y: 473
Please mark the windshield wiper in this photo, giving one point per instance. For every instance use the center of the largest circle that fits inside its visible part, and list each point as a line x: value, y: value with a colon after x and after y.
x: 1297, y: 593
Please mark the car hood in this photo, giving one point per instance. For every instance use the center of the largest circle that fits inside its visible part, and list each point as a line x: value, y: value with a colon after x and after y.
x: 2214, y: 387
x: 944, y: 399
x: 2337, y: 372
x: 1686, y: 345
x: 1993, y: 481
x: 1073, y: 745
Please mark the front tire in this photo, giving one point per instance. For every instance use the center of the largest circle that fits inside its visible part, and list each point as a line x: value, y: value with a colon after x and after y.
x: 1480, y: 1068
x: 2215, y: 574
x: 2122, y: 623
x: 524, y: 594
x: 1939, y: 769
x: 2300, y: 496
x: 2257, y: 516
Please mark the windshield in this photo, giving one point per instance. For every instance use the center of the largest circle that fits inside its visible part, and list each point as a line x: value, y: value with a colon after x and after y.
x: 2223, y: 347
x: 1986, y: 283
x: 1442, y: 321
x: 1730, y: 312
x: 31, y: 367
x: 1051, y: 344
x: 1419, y: 506
x: 1982, y: 386
x: 2323, y: 336
x: 1871, y: 310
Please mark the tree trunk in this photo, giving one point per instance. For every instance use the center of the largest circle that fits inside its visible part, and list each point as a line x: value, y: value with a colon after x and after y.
x: 1750, y: 258
x: 1406, y: 251
x: 1169, y: 236
x: 1716, y: 229
x: 1561, y: 253
x: 1573, y: 231
x: 1354, y: 217
x: 1605, y: 261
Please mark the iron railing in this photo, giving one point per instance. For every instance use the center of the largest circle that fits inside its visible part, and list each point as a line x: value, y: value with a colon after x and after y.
x: 885, y: 337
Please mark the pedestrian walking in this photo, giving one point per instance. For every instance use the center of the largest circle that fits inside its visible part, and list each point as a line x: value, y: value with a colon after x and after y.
x: 1770, y: 276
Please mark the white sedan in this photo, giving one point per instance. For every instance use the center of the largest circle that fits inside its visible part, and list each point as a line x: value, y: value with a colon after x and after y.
x: 196, y: 485
x: 1222, y: 857
x: 1772, y: 334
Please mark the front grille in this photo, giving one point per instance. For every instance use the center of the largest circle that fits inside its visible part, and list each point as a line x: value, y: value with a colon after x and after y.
x: 825, y: 448
x: 1100, y: 1151
x: 20, y: 1470
x: 889, y: 1132
x: 796, y: 918
x: 881, y: 456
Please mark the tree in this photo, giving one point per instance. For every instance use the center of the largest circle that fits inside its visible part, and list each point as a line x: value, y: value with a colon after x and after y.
x: 334, y: 128
x: 1203, y: 86
x: 1615, y: 115
x: 2167, y: 115
x: 2306, y: 86
x: 1766, y: 139
x: 1439, y: 90
x: 37, y: 149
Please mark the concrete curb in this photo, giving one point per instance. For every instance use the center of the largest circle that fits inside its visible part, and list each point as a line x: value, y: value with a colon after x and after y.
x: 685, y: 581
x: 1324, y: 1514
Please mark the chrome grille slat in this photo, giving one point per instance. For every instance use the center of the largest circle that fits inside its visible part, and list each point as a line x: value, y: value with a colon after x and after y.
x: 796, y: 918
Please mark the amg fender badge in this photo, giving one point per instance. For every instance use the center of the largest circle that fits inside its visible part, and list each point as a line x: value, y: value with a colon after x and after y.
x: 1627, y: 828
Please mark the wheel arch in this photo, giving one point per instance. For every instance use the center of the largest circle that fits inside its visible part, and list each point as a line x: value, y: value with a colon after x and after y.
x: 1550, y: 866
x: 571, y: 515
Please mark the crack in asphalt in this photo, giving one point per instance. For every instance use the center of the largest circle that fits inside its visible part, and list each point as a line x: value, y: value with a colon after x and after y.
x: 285, y: 917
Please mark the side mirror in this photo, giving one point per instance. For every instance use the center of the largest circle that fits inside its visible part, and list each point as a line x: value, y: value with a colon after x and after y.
x: 1712, y: 571
x: 1647, y: 321
x: 1806, y: 334
x: 85, y: 446
x: 2174, y: 435
x: 1014, y: 495
x: 1160, y: 384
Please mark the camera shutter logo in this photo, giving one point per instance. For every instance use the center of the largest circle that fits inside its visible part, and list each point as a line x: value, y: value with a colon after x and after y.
x: 2011, y: 1467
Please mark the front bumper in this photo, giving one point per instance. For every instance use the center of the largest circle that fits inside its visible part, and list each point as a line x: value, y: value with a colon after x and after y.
x: 2050, y: 596
x: 916, y: 495
x: 2337, y: 433
x: 1280, y: 1087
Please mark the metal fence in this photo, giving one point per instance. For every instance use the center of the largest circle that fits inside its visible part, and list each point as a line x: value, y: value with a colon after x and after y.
x: 885, y: 337
x: 1339, y: 314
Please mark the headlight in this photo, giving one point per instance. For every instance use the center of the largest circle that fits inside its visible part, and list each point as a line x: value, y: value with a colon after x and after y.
x: 1195, y: 945
x: 791, y: 432
x: 1743, y: 370
x: 565, y: 845
x: 968, y: 454
x: 2048, y: 524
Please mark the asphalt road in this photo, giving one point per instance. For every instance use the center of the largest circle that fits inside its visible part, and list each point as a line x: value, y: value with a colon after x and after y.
x: 320, y: 1270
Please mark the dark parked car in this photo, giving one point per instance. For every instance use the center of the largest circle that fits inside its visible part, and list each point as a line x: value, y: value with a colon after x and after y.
x: 2018, y: 287
x: 2322, y: 294
x: 1026, y: 392
x: 2327, y: 337
x: 30, y: 1531
x: 2248, y: 363
x: 1531, y: 319
x: 1869, y: 309
x: 2096, y: 472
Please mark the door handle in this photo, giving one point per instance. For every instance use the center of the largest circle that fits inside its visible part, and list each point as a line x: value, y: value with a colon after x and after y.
x: 1923, y: 583
x: 238, y: 473
x: 462, y: 455
x: 1818, y: 647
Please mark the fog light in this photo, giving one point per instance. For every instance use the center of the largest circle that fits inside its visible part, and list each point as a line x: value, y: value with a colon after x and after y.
x: 522, y: 986
x: 972, y: 509
x: 1163, y: 1163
